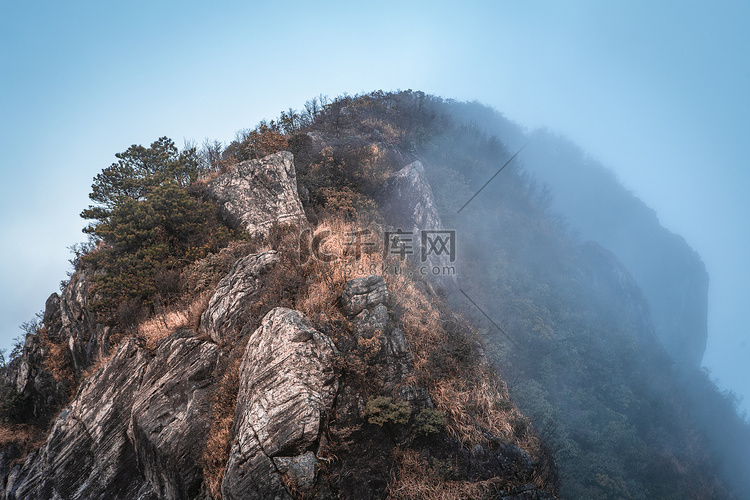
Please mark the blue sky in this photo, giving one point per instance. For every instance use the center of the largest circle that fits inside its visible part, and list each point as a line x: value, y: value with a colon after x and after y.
x: 658, y: 91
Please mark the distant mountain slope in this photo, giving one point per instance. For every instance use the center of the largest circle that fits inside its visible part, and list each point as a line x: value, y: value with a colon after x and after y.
x: 671, y: 275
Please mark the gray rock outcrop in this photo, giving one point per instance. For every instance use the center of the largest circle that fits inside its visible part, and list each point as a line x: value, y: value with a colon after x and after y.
x: 226, y: 312
x: 135, y: 429
x: 255, y: 194
x: 68, y: 321
x: 407, y: 200
x: 612, y: 284
x: 87, y: 339
x: 287, y: 387
x: 363, y: 293
x: 364, y: 301
x: 171, y: 415
x: 408, y: 204
x: 87, y: 454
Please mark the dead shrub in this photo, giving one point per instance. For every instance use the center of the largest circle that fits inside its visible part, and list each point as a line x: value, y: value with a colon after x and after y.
x: 417, y: 480
x: 389, y: 131
x: 350, y: 250
x: 168, y: 283
x: 346, y: 201
x: 20, y: 435
x: 475, y: 408
x: 419, y: 319
x: 129, y: 313
x: 57, y: 360
x: 204, y: 274
x: 24, y: 437
x: 473, y: 398
x: 98, y: 364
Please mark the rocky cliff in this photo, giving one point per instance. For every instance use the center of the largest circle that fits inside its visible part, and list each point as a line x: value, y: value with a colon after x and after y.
x: 324, y: 407
x: 288, y: 349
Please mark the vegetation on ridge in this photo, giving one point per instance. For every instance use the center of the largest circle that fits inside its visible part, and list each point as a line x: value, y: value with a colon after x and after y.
x: 620, y: 421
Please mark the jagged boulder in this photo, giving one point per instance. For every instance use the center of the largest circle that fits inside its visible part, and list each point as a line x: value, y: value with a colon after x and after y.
x: 287, y: 388
x: 364, y: 301
x: 87, y: 339
x: 255, y: 194
x: 136, y: 428
x: 408, y: 204
x: 38, y: 393
x: 87, y: 454
x: 363, y: 293
x: 407, y: 200
x: 67, y: 321
x: 171, y: 415
x: 227, y: 312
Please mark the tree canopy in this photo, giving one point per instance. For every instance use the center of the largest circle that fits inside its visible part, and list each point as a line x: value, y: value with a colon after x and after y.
x: 137, y: 172
x: 146, y: 221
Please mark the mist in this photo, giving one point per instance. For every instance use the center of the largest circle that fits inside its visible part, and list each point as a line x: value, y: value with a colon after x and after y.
x: 633, y: 118
x: 595, y: 314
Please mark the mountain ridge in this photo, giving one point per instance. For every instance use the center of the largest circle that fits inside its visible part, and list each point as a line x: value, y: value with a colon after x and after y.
x: 420, y: 407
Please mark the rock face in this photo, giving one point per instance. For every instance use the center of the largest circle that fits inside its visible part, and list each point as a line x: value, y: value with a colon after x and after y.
x: 364, y: 293
x: 407, y: 199
x: 287, y: 388
x: 135, y: 429
x: 171, y: 415
x: 671, y: 275
x: 613, y: 286
x: 88, y: 454
x: 226, y: 313
x: 254, y: 194
x: 87, y: 339
x: 67, y: 321
x: 364, y: 300
x: 408, y: 204
x: 41, y: 393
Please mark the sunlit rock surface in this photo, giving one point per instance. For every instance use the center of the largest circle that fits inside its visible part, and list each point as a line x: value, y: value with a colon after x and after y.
x: 171, y: 415
x: 255, y: 194
x: 227, y: 311
x: 287, y: 386
x: 88, y: 454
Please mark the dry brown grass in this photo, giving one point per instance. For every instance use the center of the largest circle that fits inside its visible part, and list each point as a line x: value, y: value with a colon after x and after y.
x: 207, y: 177
x: 351, y: 260
x: 204, y: 274
x: 98, y: 364
x: 57, y: 360
x: 21, y: 435
x: 420, y: 320
x: 219, y: 441
x: 478, y: 406
x: 164, y: 324
x: 474, y: 400
x: 373, y: 165
x: 25, y: 437
x: 390, y: 132
x: 418, y: 480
